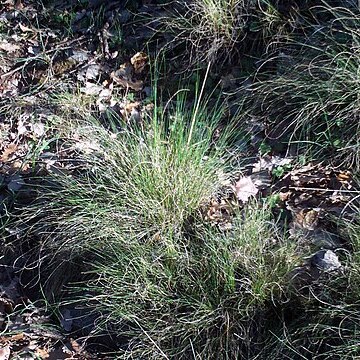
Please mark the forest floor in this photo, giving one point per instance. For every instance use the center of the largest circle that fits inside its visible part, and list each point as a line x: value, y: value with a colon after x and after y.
x: 65, y: 62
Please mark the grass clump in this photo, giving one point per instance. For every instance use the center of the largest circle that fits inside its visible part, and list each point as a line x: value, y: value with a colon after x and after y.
x: 224, y: 31
x: 140, y: 183
x: 206, y: 28
x: 128, y: 217
x: 207, y: 300
x: 312, y: 99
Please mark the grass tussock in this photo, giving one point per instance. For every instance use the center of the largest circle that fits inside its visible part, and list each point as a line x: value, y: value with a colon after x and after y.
x: 229, y: 31
x: 208, y: 29
x: 207, y: 298
x: 128, y: 217
x: 124, y: 213
x: 206, y: 26
x: 312, y: 99
x: 142, y: 183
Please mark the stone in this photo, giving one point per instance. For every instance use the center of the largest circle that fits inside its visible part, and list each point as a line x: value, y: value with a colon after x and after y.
x: 325, y: 260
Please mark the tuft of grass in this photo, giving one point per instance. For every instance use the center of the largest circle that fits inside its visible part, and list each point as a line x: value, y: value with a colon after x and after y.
x: 313, y: 102
x: 206, y: 27
x: 126, y: 219
x: 209, y: 297
x: 224, y: 31
x: 73, y: 107
x: 141, y: 182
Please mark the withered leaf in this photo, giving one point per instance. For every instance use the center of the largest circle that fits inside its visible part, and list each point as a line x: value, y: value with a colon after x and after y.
x: 245, y: 188
x: 91, y: 89
x: 136, y: 85
x: 306, y: 218
x: 139, y: 61
x: 8, y: 47
x: 10, y: 150
x: 344, y: 176
x: 42, y: 353
x: 25, y: 28
x: 18, y: 5
x: 75, y: 345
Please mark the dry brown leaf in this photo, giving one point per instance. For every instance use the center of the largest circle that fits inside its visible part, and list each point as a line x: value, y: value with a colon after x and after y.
x: 135, y: 85
x: 284, y: 195
x: 344, y: 176
x: 130, y: 107
x: 75, y: 345
x: 10, y: 150
x: 306, y: 218
x: 245, y: 188
x: 124, y: 77
x: 17, y: 337
x: 42, y: 353
x: 8, y: 47
x: 219, y: 213
x: 18, y: 5
x: 6, y: 305
x: 139, y: 61
x: 25, y: 28
x: 125, y: 71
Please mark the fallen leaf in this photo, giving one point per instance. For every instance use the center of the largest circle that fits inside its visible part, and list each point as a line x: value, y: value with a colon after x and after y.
x: 306, y: 218
x: 6, y: 305
x: 43, y: 354
x: 326, y: 260
x: 17, y: 337
x: 135, y: 85
x: 269, y: 162
x: 8, y: 47
x: 38, y: 129
x: 5, y: 353
x: 125, y: 71
x: 104, y: 99
x: 92, y: 71
x: 245, y: 188
x: 79, y: 55
x: 91, y: 89
x: 11, y: 149
x: 76, y: 346
x: 124, y: 77
x: 18, y: 5
x: 62, y: 353
x: 131, y: 106
x: 139, y: 61
x: 87, y: 147
x: 218, y: 213
x: 344, y: 176
x: 23, y: 127
x: 105, y: 93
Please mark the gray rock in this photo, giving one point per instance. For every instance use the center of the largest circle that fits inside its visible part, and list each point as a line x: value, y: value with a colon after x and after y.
x: 79, y: 56
x: 325, y: 260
